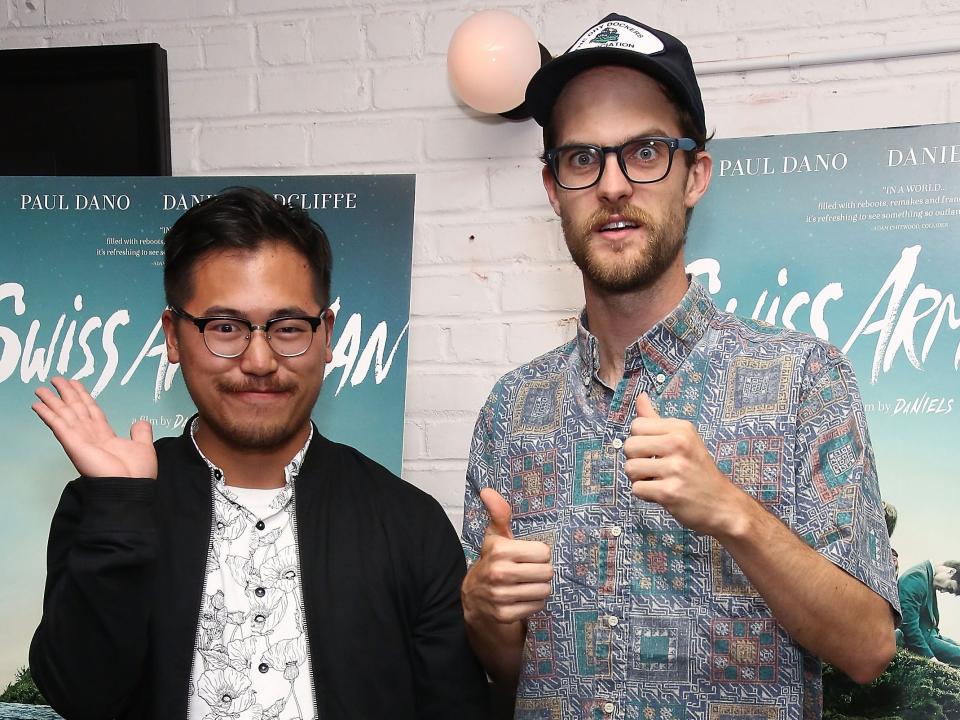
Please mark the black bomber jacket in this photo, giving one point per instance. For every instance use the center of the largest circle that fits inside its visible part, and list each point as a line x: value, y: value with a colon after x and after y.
x: 381, y: 568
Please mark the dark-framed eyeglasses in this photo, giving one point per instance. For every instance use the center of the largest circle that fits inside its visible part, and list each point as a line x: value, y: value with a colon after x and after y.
x: 642, y: 160
x: 229, y: 337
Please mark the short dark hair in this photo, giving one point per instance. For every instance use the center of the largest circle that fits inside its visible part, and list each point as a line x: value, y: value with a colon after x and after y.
x: 241, y: 218
x: 956, y: 574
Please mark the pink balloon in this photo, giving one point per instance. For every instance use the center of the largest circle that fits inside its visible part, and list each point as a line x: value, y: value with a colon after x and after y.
x: 490, y: 60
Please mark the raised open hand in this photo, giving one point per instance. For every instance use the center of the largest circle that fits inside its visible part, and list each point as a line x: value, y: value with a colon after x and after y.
x: 91, y: 444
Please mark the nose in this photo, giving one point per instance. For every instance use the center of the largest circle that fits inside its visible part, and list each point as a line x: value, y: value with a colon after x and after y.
x: 258, y: 358
x: 613, y: 185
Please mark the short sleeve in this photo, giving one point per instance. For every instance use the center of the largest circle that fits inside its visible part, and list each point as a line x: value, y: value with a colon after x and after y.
x: 839, y: 509
x: 480, y: 472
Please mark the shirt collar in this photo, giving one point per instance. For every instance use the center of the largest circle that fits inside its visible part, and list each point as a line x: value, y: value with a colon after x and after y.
x: 290, y: 471
x: 664, y: 347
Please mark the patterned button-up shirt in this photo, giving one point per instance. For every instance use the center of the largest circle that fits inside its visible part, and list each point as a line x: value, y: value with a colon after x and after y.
x: 251, y: 660
x: 648, y: 620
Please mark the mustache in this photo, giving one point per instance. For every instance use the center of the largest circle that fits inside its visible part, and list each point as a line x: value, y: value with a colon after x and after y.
x: 275, y: 387
x: 601, y: 216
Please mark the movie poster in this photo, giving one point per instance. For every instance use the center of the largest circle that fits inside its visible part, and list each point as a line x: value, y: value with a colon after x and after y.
x: 853, y: 236
x: 81, y: 296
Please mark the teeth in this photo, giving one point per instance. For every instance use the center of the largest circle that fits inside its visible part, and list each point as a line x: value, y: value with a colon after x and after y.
x: 619, y: 225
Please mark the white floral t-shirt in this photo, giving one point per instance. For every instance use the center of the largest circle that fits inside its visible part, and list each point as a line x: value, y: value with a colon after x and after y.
x: 251, y: 656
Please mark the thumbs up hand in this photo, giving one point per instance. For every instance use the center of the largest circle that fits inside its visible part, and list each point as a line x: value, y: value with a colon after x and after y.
x: 511, y: 579
x: 668, y: 464
x: 500, y: 513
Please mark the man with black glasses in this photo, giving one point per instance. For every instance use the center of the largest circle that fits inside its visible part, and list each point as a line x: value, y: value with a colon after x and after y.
x: 251, y: 568
x: 675, y: 514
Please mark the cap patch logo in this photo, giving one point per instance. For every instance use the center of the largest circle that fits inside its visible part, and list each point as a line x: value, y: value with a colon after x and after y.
x: 608, y: 35
x: 620, y: 35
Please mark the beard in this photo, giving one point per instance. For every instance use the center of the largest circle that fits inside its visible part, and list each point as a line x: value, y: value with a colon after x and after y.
x: 256, y: 429
x: 635, y: 268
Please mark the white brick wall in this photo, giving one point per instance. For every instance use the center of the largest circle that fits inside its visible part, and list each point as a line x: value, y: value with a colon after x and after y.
x: 339, y: 86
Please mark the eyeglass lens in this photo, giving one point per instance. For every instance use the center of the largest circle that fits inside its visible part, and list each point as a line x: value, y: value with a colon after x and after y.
x: 644, y: 160
x: 230, y: 338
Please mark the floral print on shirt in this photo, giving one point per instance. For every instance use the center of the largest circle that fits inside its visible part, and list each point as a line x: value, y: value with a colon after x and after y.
x: 251, y: 661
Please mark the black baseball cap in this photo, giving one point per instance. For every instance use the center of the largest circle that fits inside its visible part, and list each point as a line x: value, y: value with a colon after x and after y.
x: 619, y: 40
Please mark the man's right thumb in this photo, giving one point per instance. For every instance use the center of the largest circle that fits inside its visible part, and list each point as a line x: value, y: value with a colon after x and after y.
x: 142, y: 431
x: 500, y: 513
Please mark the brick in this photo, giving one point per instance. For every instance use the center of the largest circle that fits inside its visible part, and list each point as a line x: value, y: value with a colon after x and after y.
x: 527, y: 340
x: 439, y: 28
x: 312, y: 91
x: 843, y: 107
x: 877, y: 10
x: 944, y: 27
x: 803, y: 40
x: 262, y: 6
x: 543, y: 289
x: 22, y: 41
x: 930, y: 65
x: 518, y: 186
x: 27, y: 13
x: 228, y: 46
x: 707, y: 48
x: 429, y: 391
x: 336, y: 38
x: 264, y: 146
x: 445, y: 484
x: 940, y: 6
x: 124, y: 36
x: 73, y: 37
x: 856, y: 71
x: 392, y: 35
x: 210, y: 96
x: 455, y: 515
x: 181, y: 10
x: 183, y: 46
x: 464, y: 190
x: 759, y: 113
x: 337, y: 144
x: 414, y: 445
x: 526, y: 240
x: 427, y: 342
x: 478, y: 342
x: 421, y: 85
x: 743, y: 15
x: 183, y: 150
x: 474, y: 138
x: 59, y: 12
x: 462, y: 293
x: 282, y: 43
x: 449, y: 438
x: 565, y: 21
x: 954, y: 100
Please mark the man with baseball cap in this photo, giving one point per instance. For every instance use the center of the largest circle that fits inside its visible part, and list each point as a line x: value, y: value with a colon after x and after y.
x: 675, y: 514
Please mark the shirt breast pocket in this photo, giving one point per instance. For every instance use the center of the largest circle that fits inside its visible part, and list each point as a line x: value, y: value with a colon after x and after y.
x: 586, y: 558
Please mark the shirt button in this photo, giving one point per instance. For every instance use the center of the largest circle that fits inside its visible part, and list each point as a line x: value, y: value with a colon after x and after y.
x: 608, y: 708
x: 617, y: 443
x: 260, y: 525
x: 217, y: 474
x: 616, y: 531
x: 613, y: 620
x: 586, y: 380
x: 661, y: 377
x: 260, y: 592
x: 263, y: 667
